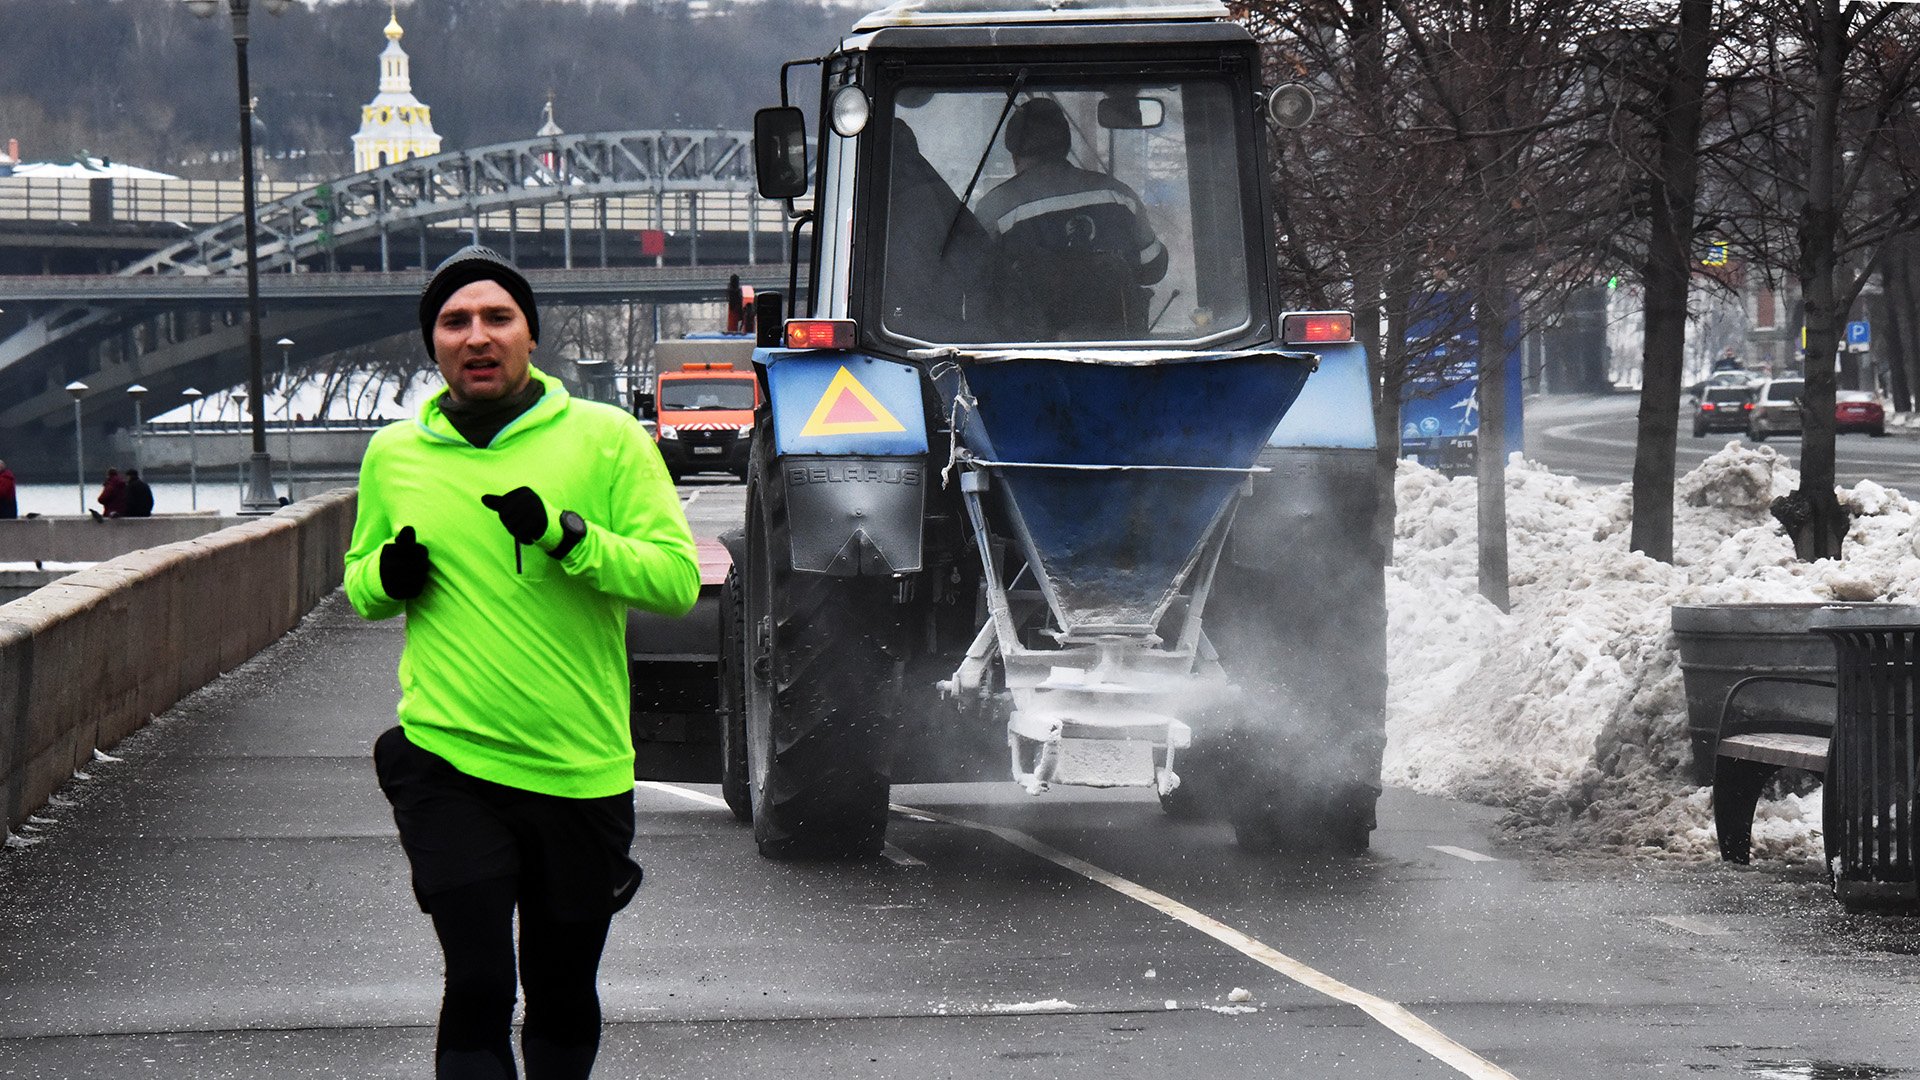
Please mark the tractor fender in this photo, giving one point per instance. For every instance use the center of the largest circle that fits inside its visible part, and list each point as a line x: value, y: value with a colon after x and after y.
x: 855, y: 516
x: 850, y: 450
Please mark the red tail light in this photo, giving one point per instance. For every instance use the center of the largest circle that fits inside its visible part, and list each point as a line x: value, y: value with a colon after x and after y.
x: 1317, y: 327
x: 820, y: 333
x: 1748, y: 407
x: 1706, y: 406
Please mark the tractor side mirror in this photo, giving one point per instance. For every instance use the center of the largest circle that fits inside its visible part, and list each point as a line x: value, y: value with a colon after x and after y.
x: 780, y: 152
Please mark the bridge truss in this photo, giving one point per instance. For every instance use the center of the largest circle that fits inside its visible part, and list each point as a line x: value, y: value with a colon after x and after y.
x: 411, y: 194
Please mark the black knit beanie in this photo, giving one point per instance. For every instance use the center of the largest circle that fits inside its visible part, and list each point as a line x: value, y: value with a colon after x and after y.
x: 464, y: 267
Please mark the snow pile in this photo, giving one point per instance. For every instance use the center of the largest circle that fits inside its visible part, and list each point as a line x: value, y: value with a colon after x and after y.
x: 1570, y: 709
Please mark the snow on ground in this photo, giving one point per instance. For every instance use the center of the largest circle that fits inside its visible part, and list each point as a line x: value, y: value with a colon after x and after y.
x: 1570, y: 710
x: 1049, y: 1005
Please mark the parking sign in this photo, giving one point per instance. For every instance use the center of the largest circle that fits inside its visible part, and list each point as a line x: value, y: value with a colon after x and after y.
x: 1859, y: 336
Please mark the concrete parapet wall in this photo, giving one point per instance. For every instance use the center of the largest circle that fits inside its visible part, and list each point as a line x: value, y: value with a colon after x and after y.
x: 82, y: 539
x: 171, y: 450
x: 93, y: 656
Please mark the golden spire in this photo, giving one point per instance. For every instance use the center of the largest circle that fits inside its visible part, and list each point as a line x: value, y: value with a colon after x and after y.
x: 393, y: 24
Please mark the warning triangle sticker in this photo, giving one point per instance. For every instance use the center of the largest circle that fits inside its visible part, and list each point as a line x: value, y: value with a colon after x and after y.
x: 847, y: 408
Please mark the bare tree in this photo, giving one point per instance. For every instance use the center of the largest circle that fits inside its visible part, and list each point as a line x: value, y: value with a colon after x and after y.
x: 1675, y: 77
x: 1370, y: 205
x: 1825, y: 160
x: 1500, y: 82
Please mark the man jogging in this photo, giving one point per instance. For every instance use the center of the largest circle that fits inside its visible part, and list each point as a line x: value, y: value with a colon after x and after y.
x: 513, y: 525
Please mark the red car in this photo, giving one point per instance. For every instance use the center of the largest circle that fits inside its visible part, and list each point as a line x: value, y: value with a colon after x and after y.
x: 1858, y: 410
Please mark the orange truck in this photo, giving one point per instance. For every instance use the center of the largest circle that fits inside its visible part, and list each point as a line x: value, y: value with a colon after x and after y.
x: 704, y: 398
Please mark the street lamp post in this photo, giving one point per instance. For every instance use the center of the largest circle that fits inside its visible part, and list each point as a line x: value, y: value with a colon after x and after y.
x: 193, y: 395
x: 286, y: 400
x: 240, y: 408
x: 79, y: 390
x: 259, y: 497
x: 136, y: 392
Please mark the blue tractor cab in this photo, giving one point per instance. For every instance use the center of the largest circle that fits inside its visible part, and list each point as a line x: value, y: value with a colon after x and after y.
x: 1048, y: 481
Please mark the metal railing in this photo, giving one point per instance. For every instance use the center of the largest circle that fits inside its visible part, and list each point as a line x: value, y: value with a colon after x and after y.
x: 207, y: 202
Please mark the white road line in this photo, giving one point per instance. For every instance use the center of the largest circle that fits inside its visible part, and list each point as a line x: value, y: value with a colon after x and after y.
x: 689, y: 500
x: 899, y: 857
x: 700, y: 797
x: 1692, y: 925
x: 1391, y: 1015
x: 1461, y: 853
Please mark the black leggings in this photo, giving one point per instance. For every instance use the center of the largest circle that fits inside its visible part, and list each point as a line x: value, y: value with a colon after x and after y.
x: 559, y: 963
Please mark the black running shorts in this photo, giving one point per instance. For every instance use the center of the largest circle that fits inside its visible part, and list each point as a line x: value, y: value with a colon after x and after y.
x: 569, y: 855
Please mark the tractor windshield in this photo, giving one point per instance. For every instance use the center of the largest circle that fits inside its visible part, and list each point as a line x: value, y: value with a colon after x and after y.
x: 1094, y: 212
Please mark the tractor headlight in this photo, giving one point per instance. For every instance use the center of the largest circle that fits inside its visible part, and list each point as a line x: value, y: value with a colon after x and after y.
x: 744, y: 433
x: 669, y: 433
x: 850, y: 111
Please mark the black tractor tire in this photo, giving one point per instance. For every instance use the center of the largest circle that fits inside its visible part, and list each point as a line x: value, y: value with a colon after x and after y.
x: 1756, y: 434
x: 819, y: 689
x: 735, y: 784
x: 1296, y: 761
x: 1187, y: 802
x: 1198, y: 798
x: 1293, y: 814
x: 1699, y: 431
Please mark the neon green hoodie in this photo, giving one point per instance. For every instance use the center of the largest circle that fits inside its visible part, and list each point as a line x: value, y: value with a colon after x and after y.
x: 519, y: 675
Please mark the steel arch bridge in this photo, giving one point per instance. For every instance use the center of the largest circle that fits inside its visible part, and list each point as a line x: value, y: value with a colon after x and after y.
x: 128, y: 327
x: 467, y: 183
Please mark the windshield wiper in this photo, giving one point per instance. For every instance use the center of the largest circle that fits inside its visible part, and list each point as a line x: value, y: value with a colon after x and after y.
x: 1171, y: 297
x: 1006, y: 107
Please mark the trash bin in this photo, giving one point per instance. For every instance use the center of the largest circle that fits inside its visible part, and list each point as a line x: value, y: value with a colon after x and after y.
x: 1868, y: 803
x: 1721, y: 644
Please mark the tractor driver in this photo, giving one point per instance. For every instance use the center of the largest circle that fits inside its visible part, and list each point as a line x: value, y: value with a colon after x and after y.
x: 1076, y: 250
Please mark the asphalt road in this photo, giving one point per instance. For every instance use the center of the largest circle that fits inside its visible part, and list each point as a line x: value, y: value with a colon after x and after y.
x: 1593, y: 438
x: 228, y: 900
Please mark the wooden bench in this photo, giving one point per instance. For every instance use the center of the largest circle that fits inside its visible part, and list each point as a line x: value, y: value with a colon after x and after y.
x: 1746, y: 757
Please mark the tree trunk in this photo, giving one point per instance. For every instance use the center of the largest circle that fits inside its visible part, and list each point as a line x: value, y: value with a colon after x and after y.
x: 1667, y: 275
x: 1812, y: 515
x: 1490, y: 446
x: 1897, y: 338
x: 1369, y: 325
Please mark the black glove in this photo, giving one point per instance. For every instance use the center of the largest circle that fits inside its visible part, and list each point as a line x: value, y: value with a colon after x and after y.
x: 403, y: 566
x: 521, y: 511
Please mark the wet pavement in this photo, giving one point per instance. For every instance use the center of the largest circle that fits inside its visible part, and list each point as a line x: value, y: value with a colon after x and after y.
x: 228, y: 900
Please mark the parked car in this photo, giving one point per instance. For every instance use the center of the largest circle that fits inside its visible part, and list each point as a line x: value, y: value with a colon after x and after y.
x: 1859, y: 410
x: 1776, y: 409
x: 1722, y: 408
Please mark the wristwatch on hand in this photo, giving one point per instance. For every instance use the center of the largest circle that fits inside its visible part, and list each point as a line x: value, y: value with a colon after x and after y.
x: 573, y: 529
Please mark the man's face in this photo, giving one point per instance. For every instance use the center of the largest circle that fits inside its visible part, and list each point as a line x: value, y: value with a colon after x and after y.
x: 481, y: 343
